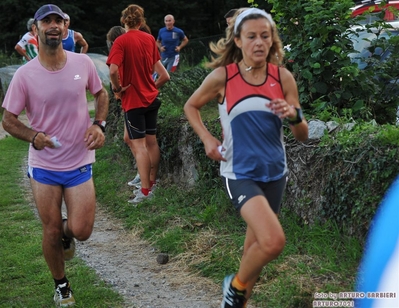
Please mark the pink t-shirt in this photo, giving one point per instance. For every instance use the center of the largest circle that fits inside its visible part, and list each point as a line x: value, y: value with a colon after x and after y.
x: 55, y: 103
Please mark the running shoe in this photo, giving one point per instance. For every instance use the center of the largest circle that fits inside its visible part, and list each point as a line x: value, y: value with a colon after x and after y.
x: 68, y: 243
x: 140, y: 197
x: 136, y: 181
x: 232, y: 298
x: 63, y: 296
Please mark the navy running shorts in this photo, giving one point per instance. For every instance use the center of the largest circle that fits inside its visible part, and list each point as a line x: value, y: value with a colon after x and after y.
x: 240, y: 191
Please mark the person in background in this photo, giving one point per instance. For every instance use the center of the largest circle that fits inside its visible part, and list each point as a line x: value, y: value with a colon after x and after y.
x: 132, y: 60
x: 229, y: 15
x: 51, y: 88
x: 71, y: 38
x: 112, y: 34
x: 170, y: 42
x: 256, y: 95
x: 27, y: 46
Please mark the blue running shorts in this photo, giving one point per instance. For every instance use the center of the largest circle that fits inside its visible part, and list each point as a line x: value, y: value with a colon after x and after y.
x: 61, y: 178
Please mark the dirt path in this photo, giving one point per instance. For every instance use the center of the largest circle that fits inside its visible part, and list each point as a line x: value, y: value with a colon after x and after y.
x: 129, y: 265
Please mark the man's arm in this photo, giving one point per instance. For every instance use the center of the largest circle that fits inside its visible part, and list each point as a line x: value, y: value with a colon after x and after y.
x: 94, y: 136
x: 160, y: 47
x: 22, y: 52
x: 17, y: 129
x: 182, y: 44
x: 84, y: 46
x: 114, y: 78
x: 101, y: 103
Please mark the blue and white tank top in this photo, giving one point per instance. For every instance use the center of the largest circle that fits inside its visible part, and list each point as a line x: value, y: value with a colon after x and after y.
x: 252, y: 135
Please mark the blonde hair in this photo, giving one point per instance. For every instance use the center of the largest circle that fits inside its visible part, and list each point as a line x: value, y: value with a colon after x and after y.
x: 227, y: 52
x: 133, y: 16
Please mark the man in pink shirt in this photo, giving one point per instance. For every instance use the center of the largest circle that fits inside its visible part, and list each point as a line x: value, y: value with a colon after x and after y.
x: 51, y: 88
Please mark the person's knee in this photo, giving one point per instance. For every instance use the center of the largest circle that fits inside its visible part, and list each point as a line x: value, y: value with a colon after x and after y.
x: 83, y: 232
x: 273, y: 246
x: 52, y: 234
x: 151, y: 142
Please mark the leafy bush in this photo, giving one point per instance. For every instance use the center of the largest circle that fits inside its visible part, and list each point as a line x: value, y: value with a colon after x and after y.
x: 318, y: 35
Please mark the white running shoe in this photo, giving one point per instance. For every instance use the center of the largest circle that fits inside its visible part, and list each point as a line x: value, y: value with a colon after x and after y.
x: 140, y: 197
x: 63, y: 296
x: 136, y: 181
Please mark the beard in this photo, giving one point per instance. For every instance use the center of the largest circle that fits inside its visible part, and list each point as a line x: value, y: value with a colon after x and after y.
x: 53, y: 43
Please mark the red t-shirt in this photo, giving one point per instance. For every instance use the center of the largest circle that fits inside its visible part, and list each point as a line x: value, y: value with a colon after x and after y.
x: 135, y: 54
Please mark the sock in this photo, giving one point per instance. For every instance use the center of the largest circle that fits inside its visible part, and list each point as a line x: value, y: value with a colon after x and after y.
x: 238, y: 284
x: 60, y: 281
x: 152, y: 183
x: 145, y: 191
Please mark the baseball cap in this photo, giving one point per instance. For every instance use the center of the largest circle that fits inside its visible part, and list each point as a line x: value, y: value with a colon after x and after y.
x: 48, y: 9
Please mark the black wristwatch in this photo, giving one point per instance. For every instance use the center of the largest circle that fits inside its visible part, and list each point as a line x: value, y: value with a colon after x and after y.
x: 102, y: 124
x: 299, y: 117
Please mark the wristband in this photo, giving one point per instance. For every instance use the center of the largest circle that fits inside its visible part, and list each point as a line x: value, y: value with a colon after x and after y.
x: 298, y: 119
x: 101, y: 124
x: 33, y: 140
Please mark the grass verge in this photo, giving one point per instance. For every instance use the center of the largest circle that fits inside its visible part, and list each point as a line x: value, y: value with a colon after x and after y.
x: 200, y: 229
x: 25, y: 279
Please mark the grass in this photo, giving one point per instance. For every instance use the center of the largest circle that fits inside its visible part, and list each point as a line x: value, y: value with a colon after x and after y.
x: 25, y: 280
x: 200, y: 229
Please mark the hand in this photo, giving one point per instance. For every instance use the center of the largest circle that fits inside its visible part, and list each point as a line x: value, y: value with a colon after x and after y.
x: 118, y: 95
x: 162, y: 49
x: 94, y: 137
x: 177, y: 49
x: 41, y: 140
x: 281, y: 108
x: 211, y: 148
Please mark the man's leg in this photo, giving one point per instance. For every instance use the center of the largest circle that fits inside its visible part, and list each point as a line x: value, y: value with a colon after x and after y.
x: 80, y: 202
x: 48, y: 199
x: 168, y: 63
x: 175, y: 63
x: 143, y: 161
x: 155, y: 156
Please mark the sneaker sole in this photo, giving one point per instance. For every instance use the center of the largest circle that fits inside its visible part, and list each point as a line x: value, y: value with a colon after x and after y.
x: 70, y: 253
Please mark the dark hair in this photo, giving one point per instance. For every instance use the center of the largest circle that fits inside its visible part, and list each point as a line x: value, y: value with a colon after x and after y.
x: 230, y: 13
x: 113, y: 33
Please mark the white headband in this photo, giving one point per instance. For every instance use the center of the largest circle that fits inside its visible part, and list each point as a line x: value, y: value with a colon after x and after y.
x: 251, y: 11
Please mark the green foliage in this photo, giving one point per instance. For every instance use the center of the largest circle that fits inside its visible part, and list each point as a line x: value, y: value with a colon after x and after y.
x: 354, y: 169
x: 181, y: 85
x: 318, y: 35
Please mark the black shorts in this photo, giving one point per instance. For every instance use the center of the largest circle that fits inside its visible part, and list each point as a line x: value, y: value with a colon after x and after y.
x: 142, y: 121
x: 240, y: 191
